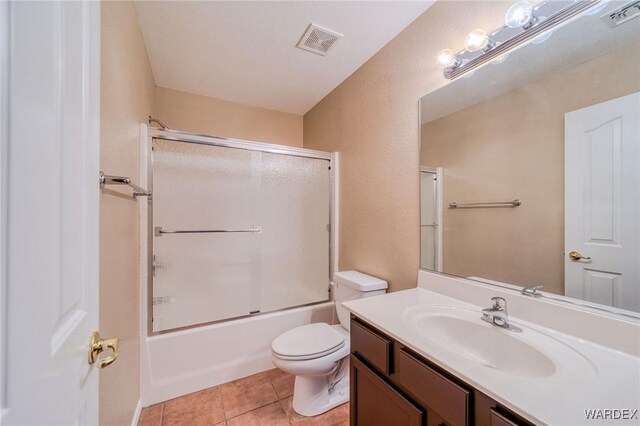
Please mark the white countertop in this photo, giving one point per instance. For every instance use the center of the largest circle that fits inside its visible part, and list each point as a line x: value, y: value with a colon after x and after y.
x: 602, y: 378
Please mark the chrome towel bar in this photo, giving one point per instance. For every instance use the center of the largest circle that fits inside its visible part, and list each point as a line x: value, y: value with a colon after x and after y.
x: 123, y: 180
x: 158, y: 231
x: 514, y: 203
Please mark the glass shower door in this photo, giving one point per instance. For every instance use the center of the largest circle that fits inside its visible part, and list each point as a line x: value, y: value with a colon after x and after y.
x: 294, y: 214
x: 272, y: 212
x: 428, y: 220
x: 204, y: 276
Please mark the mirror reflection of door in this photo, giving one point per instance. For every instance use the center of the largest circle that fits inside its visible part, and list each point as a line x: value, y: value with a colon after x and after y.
x: 430, y: 233
x: 602, y: 203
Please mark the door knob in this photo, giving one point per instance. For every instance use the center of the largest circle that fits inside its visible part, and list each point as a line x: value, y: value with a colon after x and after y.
x: 576, y: 255
x: 98, y: 345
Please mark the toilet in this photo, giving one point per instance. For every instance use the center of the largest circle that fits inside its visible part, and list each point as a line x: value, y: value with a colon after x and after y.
x: 318, y: 354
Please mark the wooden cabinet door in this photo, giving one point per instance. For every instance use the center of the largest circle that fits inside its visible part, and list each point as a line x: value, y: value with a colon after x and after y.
x: 376, y: 403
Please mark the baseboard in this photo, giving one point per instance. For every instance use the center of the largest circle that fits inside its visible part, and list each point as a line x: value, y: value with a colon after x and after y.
x: 136, y: 414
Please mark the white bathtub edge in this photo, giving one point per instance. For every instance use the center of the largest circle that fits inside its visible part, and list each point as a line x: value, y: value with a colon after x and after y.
x: 186, y: 361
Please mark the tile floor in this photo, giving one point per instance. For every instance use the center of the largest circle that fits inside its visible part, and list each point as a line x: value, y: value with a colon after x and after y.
x: 263, y: 399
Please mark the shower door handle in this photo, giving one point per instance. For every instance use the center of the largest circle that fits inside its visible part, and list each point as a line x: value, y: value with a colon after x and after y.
x: 158, y: 231
x: 156, y: 265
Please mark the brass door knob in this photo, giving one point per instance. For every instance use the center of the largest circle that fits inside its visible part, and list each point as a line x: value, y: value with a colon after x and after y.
x: 576, y: 255
x: 98, y: 345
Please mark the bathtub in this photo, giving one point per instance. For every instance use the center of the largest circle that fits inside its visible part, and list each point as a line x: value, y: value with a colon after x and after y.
x: 185, y: 361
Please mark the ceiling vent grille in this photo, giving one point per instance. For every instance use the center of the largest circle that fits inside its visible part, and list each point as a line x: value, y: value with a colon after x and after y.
x: 622, y: 14
x: 318, y: 40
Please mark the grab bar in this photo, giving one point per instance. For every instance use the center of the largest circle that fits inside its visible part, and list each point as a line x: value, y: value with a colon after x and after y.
x: 158, y: 231
x: 514, y: 203
x: 123, y: 180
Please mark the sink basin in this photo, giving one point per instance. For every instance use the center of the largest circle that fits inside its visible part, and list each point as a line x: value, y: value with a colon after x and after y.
x: 460, y: 332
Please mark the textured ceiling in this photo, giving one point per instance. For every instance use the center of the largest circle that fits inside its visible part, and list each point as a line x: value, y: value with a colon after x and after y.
x: 244, y: 51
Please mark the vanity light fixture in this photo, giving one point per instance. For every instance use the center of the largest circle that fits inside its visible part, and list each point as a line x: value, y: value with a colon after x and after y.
x: 500, y: 59
x: 477, y: 40
x: 542, y: 38
x: 447, y: 58
x: 520, y: 15
x: 598, y: 9
x: 524, y: 23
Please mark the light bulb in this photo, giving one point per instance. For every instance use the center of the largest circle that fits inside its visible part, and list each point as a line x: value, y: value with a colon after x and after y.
x: 520, y: 15
x: 476, y: 40
x: 447, y: 58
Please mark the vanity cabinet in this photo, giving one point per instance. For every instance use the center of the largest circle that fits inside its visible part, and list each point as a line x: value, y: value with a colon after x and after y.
x: 392, y: 385
x: 374, y: 402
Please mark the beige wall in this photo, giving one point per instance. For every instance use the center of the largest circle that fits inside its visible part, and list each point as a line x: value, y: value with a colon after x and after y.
x: 512, y: 146
x: 372, y: 120
x: 200, y: 114
x: 128, y: 96
x: 126, y: 101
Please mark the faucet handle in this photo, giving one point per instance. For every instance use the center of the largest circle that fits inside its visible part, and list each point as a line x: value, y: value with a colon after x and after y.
x: 531, y: 291
x: 499, y: 303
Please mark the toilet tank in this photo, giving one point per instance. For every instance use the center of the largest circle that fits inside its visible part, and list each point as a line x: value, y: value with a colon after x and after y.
x: 350, y: 285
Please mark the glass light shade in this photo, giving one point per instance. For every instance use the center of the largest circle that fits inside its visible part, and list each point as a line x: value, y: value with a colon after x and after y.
x: 476, y: 40
x: 446, y: 58
x: 500, y: 59
x: 519, y: 15
x: 598, y: 9
x: 542, y: 38
x: 469, y: 74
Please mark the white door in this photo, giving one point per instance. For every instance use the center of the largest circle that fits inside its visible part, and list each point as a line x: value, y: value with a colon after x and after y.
x: 50, y: 141
x: 602, y: 203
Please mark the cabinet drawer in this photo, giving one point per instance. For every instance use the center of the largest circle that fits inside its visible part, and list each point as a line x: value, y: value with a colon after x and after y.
x: 448, y: 399
x: 371, y: 346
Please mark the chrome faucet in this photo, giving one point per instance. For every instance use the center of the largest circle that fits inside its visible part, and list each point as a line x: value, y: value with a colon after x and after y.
x: 531, y: 291
x: 497, y: 314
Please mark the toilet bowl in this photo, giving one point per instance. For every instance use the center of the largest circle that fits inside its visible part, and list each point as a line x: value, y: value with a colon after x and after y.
x: 318, y: 354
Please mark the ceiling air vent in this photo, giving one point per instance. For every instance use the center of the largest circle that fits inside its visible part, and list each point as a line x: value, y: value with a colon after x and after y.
x: 622, y: 14
x: 318, y: 40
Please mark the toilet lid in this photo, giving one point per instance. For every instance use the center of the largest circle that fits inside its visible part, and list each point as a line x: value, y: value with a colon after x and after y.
x: 308, y: 341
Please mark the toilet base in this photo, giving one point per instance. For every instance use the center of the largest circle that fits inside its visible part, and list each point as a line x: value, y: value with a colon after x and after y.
x: 312, y: 397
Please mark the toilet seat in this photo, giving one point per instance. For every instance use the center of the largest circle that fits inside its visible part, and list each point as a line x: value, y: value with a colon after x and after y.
x: 308, y: 342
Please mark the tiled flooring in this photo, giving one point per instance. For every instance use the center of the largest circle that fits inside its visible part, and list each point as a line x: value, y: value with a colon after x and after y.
x: 263, y: 399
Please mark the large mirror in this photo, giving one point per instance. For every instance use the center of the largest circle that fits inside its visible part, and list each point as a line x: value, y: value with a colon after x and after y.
x: 530, y: 167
